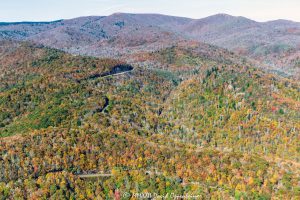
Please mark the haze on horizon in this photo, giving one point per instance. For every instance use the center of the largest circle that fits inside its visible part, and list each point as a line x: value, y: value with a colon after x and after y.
x: 48, y: 10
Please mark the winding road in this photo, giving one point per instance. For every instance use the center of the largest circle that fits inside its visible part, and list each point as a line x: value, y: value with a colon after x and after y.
x: 115, y: 71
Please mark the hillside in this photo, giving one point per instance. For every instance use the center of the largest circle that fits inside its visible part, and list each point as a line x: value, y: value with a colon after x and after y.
x: 272, y: 45
x: 100, y: 36
x: 190, y: 118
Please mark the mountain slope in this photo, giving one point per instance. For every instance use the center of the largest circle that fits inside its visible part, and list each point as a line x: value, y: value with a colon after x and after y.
x: 273, y: 45
x: 186, y: 119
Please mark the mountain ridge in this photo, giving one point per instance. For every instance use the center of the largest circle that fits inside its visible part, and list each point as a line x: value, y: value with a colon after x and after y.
x: 275, y: 44
x: 159, y: 104
x: 189, y: 117
x: 159, y: 14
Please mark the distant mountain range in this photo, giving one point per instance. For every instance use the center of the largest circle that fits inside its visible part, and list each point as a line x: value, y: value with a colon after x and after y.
x: 178, y: 107
x: 273, y: 45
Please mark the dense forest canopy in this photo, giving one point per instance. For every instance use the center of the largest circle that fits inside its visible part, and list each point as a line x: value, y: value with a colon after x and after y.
x: 185, y: 119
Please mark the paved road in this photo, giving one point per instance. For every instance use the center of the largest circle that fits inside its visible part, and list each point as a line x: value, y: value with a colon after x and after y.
x: 117, y: 74
x: 94, y: 175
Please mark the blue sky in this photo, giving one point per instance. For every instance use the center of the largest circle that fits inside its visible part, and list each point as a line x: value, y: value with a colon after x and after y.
x: 45, y: 10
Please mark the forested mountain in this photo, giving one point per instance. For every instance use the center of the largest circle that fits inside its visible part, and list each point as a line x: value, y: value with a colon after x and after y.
x: 272, y: 45
x: 189, y: 118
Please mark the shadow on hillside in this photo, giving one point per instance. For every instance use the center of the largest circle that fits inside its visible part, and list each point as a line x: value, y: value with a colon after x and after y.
x: 118, y: 69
